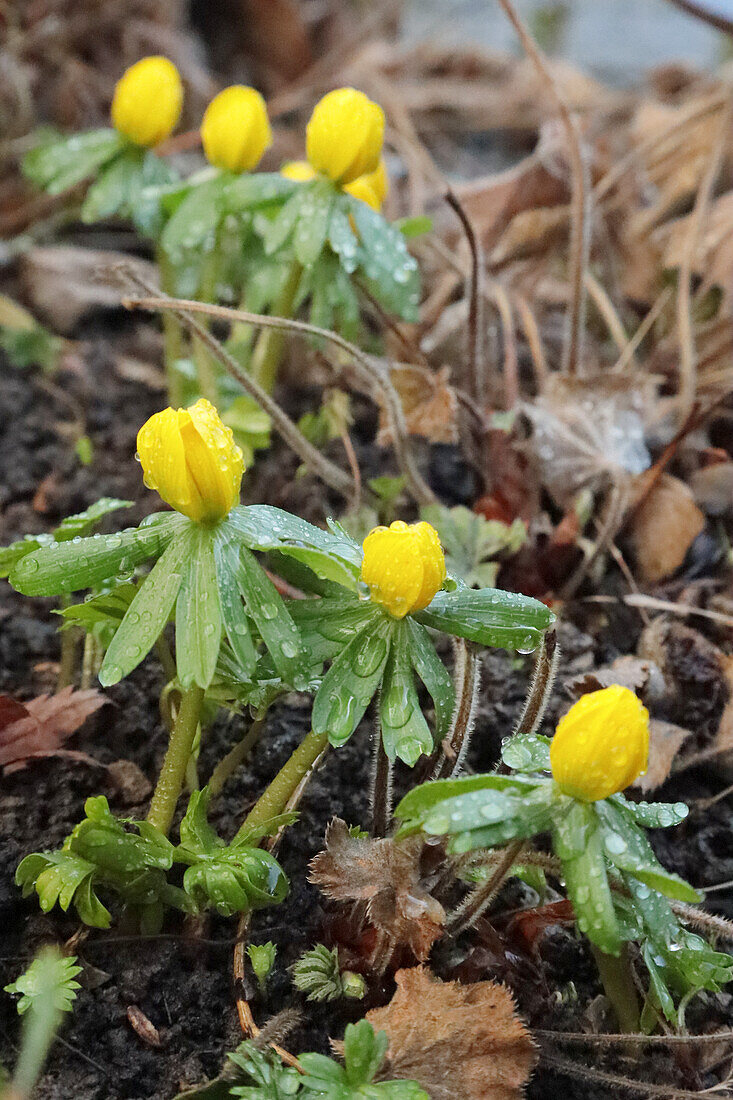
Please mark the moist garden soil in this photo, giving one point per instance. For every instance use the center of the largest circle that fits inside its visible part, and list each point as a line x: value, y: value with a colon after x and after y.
x: 182, y: 980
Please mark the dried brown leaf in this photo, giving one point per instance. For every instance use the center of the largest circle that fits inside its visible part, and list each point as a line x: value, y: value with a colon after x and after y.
x: 387, y: 876
x: 455, y: 1040
x: 429, y: 403
x: 664, y: 527
x: 636, y: 673
x: 665, y: 741
x: 45, y: 723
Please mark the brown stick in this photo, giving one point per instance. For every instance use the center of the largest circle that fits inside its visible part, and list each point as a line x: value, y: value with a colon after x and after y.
x: 477, y: 381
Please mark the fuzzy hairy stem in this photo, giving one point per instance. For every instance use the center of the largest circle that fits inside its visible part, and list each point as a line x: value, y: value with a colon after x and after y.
x: 618, y: 984
x: 548, y: 655
x: 381, y: 793
x: 641, y: 1088
x: 481, y: 898
x: 467, y: 679
x: 172, y: 774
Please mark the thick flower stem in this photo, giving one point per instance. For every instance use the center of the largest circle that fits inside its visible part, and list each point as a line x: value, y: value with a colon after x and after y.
x: 170, y: 781
x: 275, y: 797
x: 270, y: 342
x: 618, y: 984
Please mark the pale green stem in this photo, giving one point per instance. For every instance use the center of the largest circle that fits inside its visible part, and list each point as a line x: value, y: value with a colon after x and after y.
x: 205, y: 368
x: 619, y: 987
x: 236, y: 756
x: 270, y: 343
x: 275, y: 797
x: 170, y: 781
x: 69, y: 638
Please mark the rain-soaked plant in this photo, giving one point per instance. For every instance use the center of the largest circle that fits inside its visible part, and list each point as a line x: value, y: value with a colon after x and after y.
x: 617, y: 887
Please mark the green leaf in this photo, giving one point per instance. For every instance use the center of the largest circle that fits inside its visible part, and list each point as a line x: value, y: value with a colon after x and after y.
x: 652, y: 815
x: 48, y: 982
x: 249, y: 192
x: 417, y: 226
x: 77, y: 525
x: 194, y: 224
x: 87, y: 562
x: 262, y: 959
x: 364, y: 1052
x: 489, y: 817
x: 314, y: 217
x: 278, y: 230
x: 59, y: 164
x: 342, y: 239
x: 577, y: 840
x: 110, y: 192
x: 351, y: 681
x: 198, y: 612
x: 405, y: 733
x: 332, y: 556
x: 471, y: 541
x: 489, y: 616
x: 266, y: 606
x: 148, y: 612
x: 418, y: 803
x: 327, y: 625
x: 392, y: 272
x: 627, y: 848
x: 234, y: 617
x: 527, y: 753
x: 434, y: 675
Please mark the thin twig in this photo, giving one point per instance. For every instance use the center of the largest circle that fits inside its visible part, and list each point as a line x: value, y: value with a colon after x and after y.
x: 627, y: 355
x: 477, y: 380
x: 688, y: 374
x: 620, y: 1039
x: 580, y: 197
x: 614, y: 1080
x: 370, y: 371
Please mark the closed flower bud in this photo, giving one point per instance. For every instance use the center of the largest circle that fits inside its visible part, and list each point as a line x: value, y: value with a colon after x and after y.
x: 235, y: 130
x: 147, y: 101
x: 190, y: 458
x: 601, y: 745
x: 344, y: 136
x: 403, y: 566
x: 371, y: 189
x: 298, y: 170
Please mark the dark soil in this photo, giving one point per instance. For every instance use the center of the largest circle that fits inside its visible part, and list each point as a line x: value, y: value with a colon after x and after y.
x: 182, y: 980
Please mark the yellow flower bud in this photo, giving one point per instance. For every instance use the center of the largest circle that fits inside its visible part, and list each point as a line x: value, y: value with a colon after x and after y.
x: 235, y: 130
x: 361, y: 190
x: 403, y: 566
x: 189, y: 456
x: 601, y: 745
x: 298, y: 170
x: 147, y: 101
x: 344, y: 136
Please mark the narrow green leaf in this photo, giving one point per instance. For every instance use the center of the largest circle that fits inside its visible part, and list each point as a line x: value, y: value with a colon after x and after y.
x: 266, y: 606
x: 82, y: 523
x: 84, y: 563
x: 489, y: 616
x: 626, y: 847
x: 277, y: 231
x: 434, y: 675
x: 351, y: 681
x: 234, y: 617
x: 585, y: 875
x: 313, y: 221
x: 342, y: 239
x: 392, y: 272
x: 527, y: 753
x: 110, y: 192
x: 148, y: 613
x: 195, y: 221
x: 198, y: 612
x: 328, y: 625
x: 652, y: 815
x: 419, y: 802
x: 59, y: 164
x: 249, y: 192
x: 405, y: 733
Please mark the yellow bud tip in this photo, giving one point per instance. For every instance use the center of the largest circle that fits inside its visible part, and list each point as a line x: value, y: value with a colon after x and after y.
x: 601, y: 745
x: 147, y: 101
x: 403, y: 566
x: 298, y: 170
x: 235, y: 129
x: 344, y: 136
x: 190, y: 458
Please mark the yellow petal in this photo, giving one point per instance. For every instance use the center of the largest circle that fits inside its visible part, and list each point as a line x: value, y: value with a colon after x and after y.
x: 344, y: 135
x: 393, y: 568
x: 235, y: 130
x: 433, y: 564
x: 298, y: 170
x: 147, y: 101
x: 601, y: 745
x: 361, y: 190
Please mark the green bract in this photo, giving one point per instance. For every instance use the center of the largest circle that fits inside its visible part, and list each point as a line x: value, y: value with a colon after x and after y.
x: 204, y: 575
x: 125, y: 175
x: 616, y: 884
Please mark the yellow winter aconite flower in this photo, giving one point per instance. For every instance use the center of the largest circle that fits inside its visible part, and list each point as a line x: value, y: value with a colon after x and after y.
x: 147, y: 101
x: 190, y: 458
x: 299, y: 170
x: 403, y: 566
x: 344, y: 136
x: 601, y: 745
x: 235, y: 130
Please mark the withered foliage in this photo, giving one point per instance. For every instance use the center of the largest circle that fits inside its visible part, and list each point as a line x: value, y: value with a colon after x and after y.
x: 386, y: 875
x: 40, y: 726
x: 455, y: 1040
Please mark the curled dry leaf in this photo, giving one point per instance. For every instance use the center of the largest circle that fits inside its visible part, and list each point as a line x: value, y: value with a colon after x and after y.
x: 455, y: 1040
x: 41, y: 725
x: 664, y: 527
x: 635, y: 673
x: 387, y: 876
x: 665, y: 741
x: 429, y: 403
